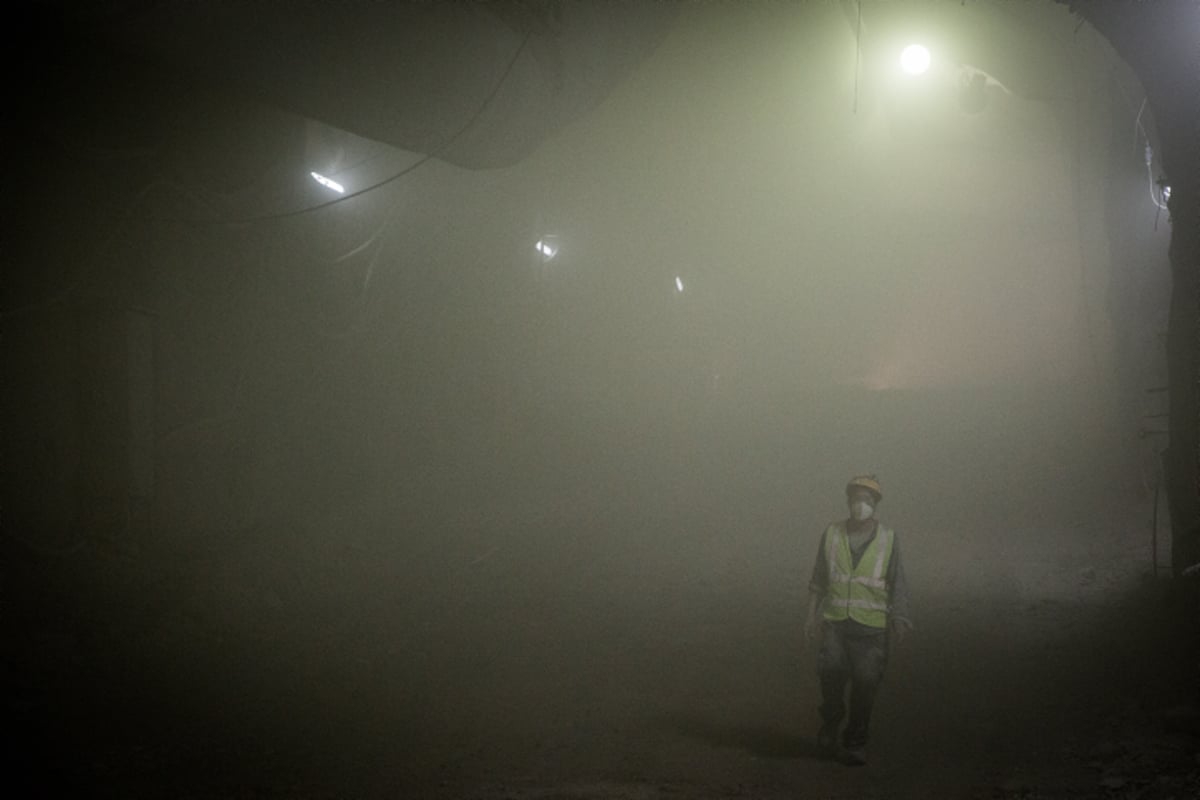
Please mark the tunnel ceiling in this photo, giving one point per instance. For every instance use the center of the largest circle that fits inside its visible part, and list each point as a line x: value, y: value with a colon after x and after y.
x: 481, y: 85
x: 268, y: 85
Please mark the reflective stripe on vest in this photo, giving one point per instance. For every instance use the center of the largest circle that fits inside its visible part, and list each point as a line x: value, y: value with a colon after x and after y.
x: 859, y: 593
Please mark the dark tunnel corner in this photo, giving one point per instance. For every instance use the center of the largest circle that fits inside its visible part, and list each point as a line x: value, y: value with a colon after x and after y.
x: 1147, y: 36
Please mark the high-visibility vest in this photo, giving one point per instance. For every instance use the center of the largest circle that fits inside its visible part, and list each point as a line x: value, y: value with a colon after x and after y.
x: 858, y: 593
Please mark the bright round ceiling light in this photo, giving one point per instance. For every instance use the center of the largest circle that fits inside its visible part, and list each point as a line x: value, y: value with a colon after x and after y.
x: 914, y: 59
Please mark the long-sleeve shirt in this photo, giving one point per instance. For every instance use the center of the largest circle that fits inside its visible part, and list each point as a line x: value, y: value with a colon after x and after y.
x: 896, y: 582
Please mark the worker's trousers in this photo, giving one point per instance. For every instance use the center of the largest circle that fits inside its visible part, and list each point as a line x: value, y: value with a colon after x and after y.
x: 850, y: 656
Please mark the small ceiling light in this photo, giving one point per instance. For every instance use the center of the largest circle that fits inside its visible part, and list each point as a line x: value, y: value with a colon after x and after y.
x: 914, y: 59
x: 678, y: 284
x: 547, y: 246
x: 328, y: 183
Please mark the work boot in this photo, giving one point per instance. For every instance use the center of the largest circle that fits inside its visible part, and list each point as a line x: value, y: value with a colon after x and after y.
x: 855, y: 756
x: 827, y: 740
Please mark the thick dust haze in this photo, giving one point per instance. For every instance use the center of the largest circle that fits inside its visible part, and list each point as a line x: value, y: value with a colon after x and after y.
x: 435, y: 512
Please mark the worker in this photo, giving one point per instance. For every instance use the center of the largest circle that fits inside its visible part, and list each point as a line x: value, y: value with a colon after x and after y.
x: 858, y: 606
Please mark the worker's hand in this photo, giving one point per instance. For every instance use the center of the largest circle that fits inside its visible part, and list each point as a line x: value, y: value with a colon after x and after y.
x: 900, y: 630
x: 811, y: 629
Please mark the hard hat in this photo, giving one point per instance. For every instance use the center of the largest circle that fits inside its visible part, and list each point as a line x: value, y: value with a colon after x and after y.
x: 868, y: 482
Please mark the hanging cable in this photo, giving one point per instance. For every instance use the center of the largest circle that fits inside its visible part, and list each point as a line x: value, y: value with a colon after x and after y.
x: 1147, y: 150
x: 1137, y: 124
x: 392, y: 178
x: 1150, y: 177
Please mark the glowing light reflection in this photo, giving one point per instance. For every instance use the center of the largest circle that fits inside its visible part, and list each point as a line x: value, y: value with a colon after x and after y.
x: 328, y: 183
x: 915, y: 59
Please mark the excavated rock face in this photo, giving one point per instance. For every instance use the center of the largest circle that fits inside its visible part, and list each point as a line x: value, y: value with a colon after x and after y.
x: 1158, y: 41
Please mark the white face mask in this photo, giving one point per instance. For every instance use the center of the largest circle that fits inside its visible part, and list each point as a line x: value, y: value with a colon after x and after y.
x: 862, y: 511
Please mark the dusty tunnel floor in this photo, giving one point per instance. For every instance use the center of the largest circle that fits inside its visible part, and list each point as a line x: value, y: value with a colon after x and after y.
x: 1056, y: 676
x: 594, y: 646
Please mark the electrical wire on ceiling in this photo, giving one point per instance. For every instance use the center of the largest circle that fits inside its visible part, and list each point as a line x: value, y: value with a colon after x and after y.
x: 381, y: 151
x: 1137, y: 124
x: 1150, y: 177
x: 376, y: 239
x: 487, y: 101
x: 1147, y: 150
